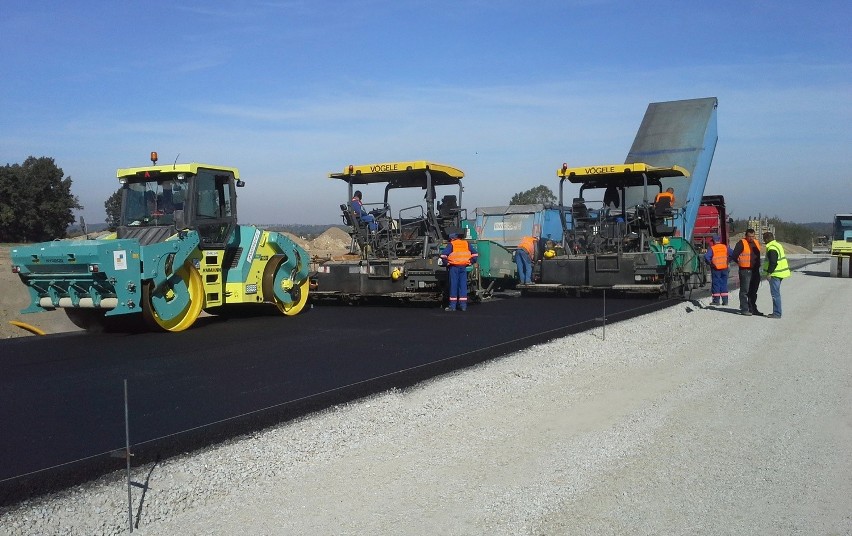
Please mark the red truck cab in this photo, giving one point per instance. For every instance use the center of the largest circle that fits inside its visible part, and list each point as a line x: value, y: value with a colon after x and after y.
x: 712, y: 220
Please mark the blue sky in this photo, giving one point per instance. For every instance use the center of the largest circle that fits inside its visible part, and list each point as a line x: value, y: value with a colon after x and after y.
x: 289, y: 91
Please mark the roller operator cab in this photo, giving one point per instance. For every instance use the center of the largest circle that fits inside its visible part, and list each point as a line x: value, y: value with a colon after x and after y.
x: 177, y: 250
x: 841, y: 246
x: 608, y: 244
x: 410, y: 209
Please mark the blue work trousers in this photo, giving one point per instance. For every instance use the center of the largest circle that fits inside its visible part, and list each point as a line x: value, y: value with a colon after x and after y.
x: 458, y: 286
x: 524, y: 263
x: 370, y: 220
x: 719, y: 285
x: 775, y: 291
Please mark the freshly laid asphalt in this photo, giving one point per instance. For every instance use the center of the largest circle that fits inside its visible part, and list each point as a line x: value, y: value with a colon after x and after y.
x: 62, y: 396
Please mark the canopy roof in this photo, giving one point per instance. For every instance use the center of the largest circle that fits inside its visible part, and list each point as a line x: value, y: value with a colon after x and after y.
x: 618, y: 174
x: 191, y: 167
x: 400, y: 174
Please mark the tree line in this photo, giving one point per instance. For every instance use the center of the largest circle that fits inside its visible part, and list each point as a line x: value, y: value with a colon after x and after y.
x: 36, y: 203
x: 800, y: 234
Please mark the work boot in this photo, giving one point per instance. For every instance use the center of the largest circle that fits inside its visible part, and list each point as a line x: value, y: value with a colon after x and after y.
x: 724, y: 301
x: 714, y: 302
x: 450, y: 309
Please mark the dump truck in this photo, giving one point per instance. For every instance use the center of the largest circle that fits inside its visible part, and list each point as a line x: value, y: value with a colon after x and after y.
x: 396, y: 251
x: 178, y: 250
x: 619, y: 233
x: 841, y: 246
x: 712, y: 220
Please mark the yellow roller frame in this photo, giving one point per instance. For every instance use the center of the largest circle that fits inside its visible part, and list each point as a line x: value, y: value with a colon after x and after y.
x: 187, y: 318
x: 294, y: 308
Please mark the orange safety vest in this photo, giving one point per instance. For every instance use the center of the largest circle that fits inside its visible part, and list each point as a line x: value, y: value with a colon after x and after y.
x: 528, y: 245
x: 744, y: 260
x: 461, y: 254
x: 720, y: 256
x: 665, y: 194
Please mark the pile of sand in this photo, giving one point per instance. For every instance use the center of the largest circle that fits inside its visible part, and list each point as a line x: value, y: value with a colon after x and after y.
x: 333, y: 239
x: 300, y: 241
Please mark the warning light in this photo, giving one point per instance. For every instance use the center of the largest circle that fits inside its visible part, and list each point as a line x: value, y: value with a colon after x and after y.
x: 564, y: 166
x: 351, y: 169
x: 154, y: 157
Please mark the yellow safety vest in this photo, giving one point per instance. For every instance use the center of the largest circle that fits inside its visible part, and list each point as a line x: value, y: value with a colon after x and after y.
x: 782, y: 269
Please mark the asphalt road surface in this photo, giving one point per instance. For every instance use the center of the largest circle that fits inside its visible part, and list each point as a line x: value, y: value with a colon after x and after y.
x: 62, y: 396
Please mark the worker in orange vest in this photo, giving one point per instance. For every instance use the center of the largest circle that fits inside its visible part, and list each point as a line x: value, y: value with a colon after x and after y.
x: 668, y: 193
x: 457, y: 256
x: 747, y: 256
x: 524, y: 256
x: 718, y: 256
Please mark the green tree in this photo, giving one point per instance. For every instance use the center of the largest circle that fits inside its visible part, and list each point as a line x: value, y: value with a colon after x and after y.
x: 792, y: 233
x: 539, y: 194
x: 36, y: 203
x: 113, y: 210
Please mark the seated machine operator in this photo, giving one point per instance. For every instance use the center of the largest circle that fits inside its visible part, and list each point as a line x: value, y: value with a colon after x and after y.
x: 361, y: 213
x: 668, y: 194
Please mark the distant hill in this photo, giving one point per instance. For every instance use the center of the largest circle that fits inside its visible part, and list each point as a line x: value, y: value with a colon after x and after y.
x: 75, y: 229
x: 820, y: 228
x: 800, y: 234
x: 308, y: 232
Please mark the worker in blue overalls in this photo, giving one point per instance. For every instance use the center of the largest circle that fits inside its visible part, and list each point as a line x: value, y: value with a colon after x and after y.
x: 457, y: 256
x: 361, y: 213
x: 718, y: 256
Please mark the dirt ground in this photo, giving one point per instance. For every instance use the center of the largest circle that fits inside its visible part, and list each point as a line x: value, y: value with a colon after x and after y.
x: 14, y: 295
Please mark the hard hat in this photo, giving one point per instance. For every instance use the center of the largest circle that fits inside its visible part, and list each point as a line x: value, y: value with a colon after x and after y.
x: 549, y: 254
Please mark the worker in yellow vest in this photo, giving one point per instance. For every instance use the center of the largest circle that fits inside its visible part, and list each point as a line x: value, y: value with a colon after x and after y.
x: 776, y: 269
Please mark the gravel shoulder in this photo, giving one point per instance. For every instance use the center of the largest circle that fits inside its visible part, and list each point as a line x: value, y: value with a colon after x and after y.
x: 691, y: 420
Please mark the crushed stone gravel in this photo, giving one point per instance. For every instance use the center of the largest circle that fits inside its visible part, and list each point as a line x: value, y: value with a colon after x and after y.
x: 691, y: 420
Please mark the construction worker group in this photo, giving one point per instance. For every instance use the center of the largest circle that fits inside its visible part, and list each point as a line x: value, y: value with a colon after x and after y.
x: 747, y: 255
